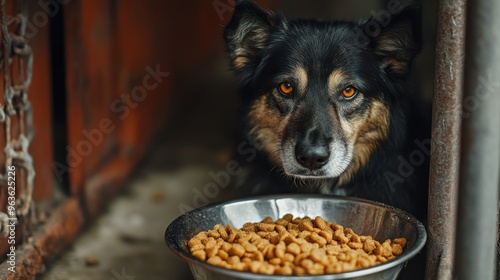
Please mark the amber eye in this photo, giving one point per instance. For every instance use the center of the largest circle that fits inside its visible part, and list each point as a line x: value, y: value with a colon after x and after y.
x: 349, y: 92
x: 285, y: 88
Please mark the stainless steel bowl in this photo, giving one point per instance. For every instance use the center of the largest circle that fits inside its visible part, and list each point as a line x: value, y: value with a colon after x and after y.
x: 364, y: 217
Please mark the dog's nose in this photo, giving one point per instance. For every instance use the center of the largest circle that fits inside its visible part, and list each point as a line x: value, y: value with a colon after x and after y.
x: 312, y: 156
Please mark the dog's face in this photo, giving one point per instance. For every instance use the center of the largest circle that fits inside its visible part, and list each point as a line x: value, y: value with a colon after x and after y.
x: 320, y: 94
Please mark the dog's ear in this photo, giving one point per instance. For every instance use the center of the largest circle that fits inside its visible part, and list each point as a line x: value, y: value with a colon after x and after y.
x: 399, y: 41
x: 247, y: 32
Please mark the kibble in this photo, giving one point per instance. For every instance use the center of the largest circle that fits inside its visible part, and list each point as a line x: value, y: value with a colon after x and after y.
x: 292, y: 246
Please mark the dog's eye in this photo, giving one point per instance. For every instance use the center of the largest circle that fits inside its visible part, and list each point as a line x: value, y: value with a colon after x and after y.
x: 285, y: 88
x: 349, y: 92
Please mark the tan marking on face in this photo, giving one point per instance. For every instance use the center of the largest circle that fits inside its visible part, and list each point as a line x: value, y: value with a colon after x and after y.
x: 335, y: 79
x: 267, y: 127
x: 301, y: 76
x: 367, y: 134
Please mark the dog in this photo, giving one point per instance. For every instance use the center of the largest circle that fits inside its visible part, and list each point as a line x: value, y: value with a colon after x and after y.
x: 326, y: 106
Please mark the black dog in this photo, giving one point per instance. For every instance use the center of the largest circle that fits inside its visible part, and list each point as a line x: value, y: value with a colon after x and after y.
x: 325, y: 105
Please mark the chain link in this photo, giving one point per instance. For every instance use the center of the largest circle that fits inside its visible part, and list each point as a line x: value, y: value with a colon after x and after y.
x: 16, y: 64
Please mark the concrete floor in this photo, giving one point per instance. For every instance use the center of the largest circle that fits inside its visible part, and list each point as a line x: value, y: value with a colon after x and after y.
x: 127, y: 241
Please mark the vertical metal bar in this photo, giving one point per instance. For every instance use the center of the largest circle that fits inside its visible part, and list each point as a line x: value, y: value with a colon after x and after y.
x: 480, y: 157
x: 445, y: 149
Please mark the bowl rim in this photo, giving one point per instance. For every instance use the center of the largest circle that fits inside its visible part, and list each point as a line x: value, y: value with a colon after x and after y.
x: 400, y: 260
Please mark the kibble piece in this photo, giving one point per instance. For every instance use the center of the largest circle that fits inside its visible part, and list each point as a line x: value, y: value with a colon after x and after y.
x: 194, y: 241
x: 319, y: 256
x: 307, y: 263
x: 348, y: 231
x: 213, y: 233
x: 262, y: 243
x: 289, y: 239
x: 332, y: 249
x: 225, y: 246
x: 237, y: 250
x: 263, y: 234
x: 355, y: 245
x: 306, y: 224
x: 387, y: 249
x: 333, y: 268
x: 275, y: 261
x: 288, y: 258
x: 400, y: 241
x: 318, y: 239
x: 266, y: 269
x: 306, y: 247
x: 196, y: 247
x: 316, y: 269
x: 249, y: 227
x: 362, y: 262
x: 241, y: 266
x: 221, y: 230
x: 327, y: 235
x: 232, y: 235
x: 293, y: 229
x: 397, y: 249
x: 250, y: 247
x: 212, y: 251
x: 216, y: 260
x: 274, y: 238
x: 200, y: 254
x: 223, y: 254
x: 320, y: 223
x: 288, y: 217
x: 280, y: 229
x: 299, y: 271
x: 336, y: 227
x: 259, y: 256
x: 254, y: 237
x: 284, y: 270
x: 233, y: 260
x: 340, y: 236
x: 268, y: 220
x: 219, y: 242
x: 280, y: 250
x: 355, y: 238
x: 293, y: 248
x: 255, y: 266
x: 282, y: 222
x: 267, y: 227
x: 210, y: 242
x: 331, y: 259
x: 269, y: 251
x: 303, y: 235
x: 369, y: 245
x: 298, y: 259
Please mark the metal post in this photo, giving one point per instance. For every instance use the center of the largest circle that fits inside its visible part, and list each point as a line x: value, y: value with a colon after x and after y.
x: 445, y: 149
x: 480, y: 157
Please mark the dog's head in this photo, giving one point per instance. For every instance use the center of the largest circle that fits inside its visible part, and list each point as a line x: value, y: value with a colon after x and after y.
x: 321, y: 96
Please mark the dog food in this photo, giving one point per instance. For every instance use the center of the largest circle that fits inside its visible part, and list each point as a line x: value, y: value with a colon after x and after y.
x: 292, y: 246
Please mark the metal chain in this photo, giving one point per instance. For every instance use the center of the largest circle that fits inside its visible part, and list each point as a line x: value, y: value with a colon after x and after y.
x: 16, y: 63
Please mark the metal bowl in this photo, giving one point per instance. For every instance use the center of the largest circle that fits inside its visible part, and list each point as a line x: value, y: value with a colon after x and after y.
x: 364, y: 217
